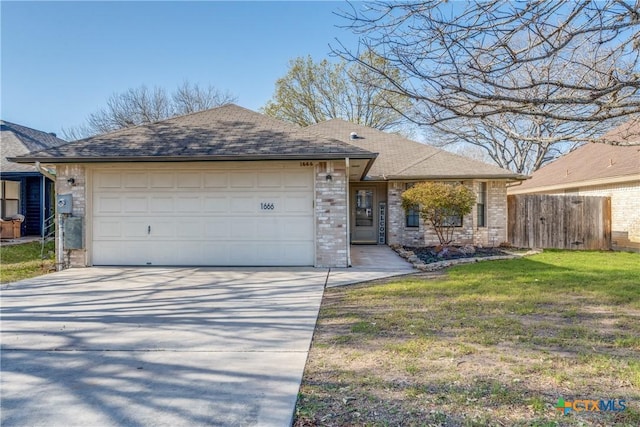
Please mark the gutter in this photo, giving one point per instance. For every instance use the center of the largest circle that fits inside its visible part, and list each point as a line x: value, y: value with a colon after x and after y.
x: 44, y: 171
x: 454, y: 177
x: 204, y: 158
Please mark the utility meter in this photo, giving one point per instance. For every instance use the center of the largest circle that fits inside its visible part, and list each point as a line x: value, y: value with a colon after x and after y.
x: 64, y: 203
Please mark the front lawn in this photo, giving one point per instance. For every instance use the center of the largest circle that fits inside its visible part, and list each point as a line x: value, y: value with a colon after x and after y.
x: 492, y: 343
x: 23, y: 261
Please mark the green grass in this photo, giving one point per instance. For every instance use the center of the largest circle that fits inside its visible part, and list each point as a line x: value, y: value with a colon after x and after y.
x: 23, y: 261
x: 494, y: 342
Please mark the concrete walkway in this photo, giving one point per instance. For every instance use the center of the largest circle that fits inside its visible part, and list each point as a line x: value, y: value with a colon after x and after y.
x: 369, y: 262
x: 157, y: 346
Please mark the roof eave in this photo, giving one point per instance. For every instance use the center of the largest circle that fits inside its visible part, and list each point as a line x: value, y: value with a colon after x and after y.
x: 216, y: 158
x: 576, y: 184
x: 512, y: 177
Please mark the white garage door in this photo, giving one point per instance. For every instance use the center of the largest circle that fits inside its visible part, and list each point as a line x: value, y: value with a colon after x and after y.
x: 203, y: 217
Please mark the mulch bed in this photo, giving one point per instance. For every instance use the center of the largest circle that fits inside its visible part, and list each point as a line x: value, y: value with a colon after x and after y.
x: 431, y: 254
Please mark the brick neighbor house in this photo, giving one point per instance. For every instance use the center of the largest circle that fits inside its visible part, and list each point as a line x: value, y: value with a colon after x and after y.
x: 232, y: 187
x: 609, y: 169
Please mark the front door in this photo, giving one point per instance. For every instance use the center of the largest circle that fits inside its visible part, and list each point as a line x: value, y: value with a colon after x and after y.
x: 364, y: 230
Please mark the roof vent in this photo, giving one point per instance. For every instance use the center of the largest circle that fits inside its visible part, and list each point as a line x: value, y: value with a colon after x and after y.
x: 353, y: 135
x: 53, y: 134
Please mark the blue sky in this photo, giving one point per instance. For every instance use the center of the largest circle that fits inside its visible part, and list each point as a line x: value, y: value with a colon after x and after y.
x: 62, y: 60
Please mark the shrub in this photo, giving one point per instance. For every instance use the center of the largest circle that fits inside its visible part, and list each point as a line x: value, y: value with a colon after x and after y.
x: 439, y: 203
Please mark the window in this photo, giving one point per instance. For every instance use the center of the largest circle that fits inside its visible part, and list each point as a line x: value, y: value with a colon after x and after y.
x: 412, y: 216
x: 364, y: 208
x: 453, y: 221
x: 10, y: 198
x: 481, y: 205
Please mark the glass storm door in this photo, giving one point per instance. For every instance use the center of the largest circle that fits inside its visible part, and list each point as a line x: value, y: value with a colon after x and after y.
x: 364, y: 224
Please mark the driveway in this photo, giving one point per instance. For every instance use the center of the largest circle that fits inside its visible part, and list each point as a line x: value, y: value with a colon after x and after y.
x: 157, y: 346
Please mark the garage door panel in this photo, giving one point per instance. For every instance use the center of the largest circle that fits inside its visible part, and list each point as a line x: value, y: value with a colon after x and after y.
x: 161, y: 180
x: 298, y: 203
x: 300, y: 227
x: 107, y: 180
x: 162, y: 229
x: 243, y: 204
x: 161, y: 204
x: 136, y: 179
x: 215, y: 254
x: 134, y: 252
x: 188, y: 204
x: 270, y: 228
x: 108, y: 229
x: 191, y: 229
x: 216, y: 204
x: 216, y: 179
x: 109, y: 204
x: 189, y: 180
x: 197, y: 217
x: 245, y: 229
x: 134, y: 228
x: 217, y: 228
x: 135, y: 204
x: 242, y: 179
x: 269, y: 179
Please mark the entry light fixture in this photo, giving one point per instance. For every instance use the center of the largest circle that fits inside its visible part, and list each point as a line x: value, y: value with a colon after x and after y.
x: 71, y: 181
x: 329, y: 177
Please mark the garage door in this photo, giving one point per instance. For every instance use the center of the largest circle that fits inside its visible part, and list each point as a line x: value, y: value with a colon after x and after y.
x: 203, y: 217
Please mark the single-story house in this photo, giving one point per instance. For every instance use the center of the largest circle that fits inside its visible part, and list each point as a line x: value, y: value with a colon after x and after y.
x: 23, y: 189
x: 232, y: 187
x: 610, y: 168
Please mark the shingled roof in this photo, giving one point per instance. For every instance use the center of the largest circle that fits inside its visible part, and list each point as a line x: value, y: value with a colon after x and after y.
x: 401, y: 158
x: 17, y: 140
x: 592, y: 163
x: 229, y: 132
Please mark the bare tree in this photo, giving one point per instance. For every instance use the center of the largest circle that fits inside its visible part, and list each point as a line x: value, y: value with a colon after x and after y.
x: 313, y: 92
x: 519, y: 142
x: 189, y: 98
x: 456, y: 58
x: 143, y: 105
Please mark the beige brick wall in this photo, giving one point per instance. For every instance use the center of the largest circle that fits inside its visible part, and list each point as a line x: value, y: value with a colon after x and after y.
x: 331, y: 214
x: 492, y: 235
x: 625, y: 207
x: 75, y: 257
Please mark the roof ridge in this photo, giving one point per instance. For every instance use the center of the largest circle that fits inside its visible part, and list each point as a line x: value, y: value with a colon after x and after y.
x: 180, y: 116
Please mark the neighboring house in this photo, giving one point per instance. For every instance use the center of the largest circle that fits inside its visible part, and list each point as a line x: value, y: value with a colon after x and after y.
x: 600, y: 169
x: 23, y: 189
x: 229, y: 186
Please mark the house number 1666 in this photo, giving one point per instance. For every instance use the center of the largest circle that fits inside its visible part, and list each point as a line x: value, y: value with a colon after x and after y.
x: 267, y: 206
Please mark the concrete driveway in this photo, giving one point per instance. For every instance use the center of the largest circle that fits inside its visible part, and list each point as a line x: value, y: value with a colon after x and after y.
x: 157, y: 347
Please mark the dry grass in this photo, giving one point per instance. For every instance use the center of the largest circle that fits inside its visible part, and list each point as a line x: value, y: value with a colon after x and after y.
x: 494, y: 343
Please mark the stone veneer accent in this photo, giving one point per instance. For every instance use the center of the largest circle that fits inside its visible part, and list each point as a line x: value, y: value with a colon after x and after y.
x: 331, y: 214
x: 75, y: 257
x: 492, y: 235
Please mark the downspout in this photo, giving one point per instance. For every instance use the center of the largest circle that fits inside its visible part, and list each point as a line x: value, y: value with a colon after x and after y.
x: 348, y: 236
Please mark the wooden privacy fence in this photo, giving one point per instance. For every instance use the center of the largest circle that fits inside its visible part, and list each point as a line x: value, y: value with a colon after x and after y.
x: 563, y: 222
